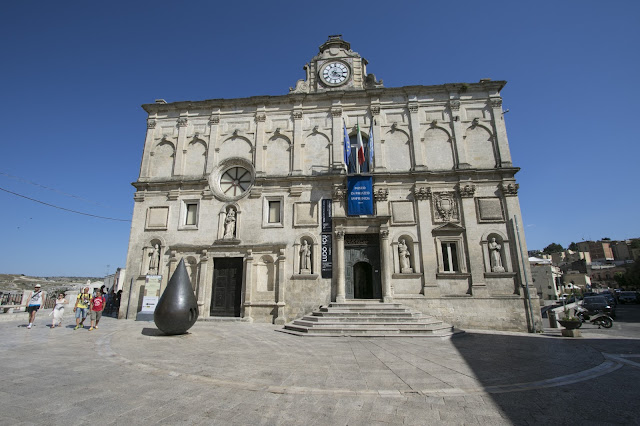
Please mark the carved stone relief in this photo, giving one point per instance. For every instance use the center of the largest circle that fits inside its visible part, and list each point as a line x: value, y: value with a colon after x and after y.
x: 509, y: 190
x: 467, y: 191
x: 445, y: 207
x: 421, y: 193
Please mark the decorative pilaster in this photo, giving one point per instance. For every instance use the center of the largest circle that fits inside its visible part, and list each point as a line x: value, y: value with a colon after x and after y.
x: 298, y: 142
x: 429, y: 258
x: 336, y: 134
x: 280, y: 319
x: 414, y: 126
x: 377, y: 147
x: 458, y: 134
x: 149, y: 143
x: 212, y: 148
x: 386, y: 266
x: 339, y: 262
x: 181, y: 147
x: 202, y: 284
x: 473, y: 236
x: 248, y: 284
x: 504, y: 154
x: 381, y: 195
x: 260, y: 145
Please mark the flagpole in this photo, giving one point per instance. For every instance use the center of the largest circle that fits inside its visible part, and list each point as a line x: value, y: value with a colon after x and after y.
x: 357, y: 147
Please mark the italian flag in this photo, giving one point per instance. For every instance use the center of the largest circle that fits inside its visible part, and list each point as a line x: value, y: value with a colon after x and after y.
x: 361, y: 158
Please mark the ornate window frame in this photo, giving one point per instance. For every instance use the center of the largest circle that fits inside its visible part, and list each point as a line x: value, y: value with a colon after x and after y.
x: 221, y: 168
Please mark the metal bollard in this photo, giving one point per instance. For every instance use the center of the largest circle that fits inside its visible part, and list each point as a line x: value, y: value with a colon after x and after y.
x: 553, y: 322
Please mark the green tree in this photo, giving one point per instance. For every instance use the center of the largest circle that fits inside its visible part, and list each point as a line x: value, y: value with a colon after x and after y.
x: 552, y: 248
x: 573, y: 246
x: 630, y: 278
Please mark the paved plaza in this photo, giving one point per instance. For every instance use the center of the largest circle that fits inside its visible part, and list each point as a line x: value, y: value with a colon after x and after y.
x: 250, y: 374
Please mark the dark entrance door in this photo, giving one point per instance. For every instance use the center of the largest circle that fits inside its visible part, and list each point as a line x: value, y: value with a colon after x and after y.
x: 362, y: 281
x: 362, y: 266
x: 227, y: 287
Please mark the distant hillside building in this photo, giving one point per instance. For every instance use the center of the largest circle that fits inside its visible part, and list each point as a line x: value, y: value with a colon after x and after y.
x: 600, y: 251
x: 547, y: 278
x: 274, y: 217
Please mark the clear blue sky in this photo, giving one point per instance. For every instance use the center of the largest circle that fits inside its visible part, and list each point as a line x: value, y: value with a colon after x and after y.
x: 74, y: 74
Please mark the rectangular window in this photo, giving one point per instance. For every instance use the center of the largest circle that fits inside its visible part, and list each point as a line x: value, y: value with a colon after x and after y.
x: 189, y: 211
x: 450, y: 257
x: 191, y: 216
x: 274, y: 211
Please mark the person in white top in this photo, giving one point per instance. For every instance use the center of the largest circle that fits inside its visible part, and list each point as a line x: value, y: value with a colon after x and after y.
x: 58, y: 311
x: 34, y: 301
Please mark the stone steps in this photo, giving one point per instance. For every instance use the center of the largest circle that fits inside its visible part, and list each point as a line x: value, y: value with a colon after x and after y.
x: 368, y: 319
x: 371, y: 325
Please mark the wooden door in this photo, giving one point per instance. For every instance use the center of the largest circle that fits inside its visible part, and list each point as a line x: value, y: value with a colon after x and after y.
x: 227, y: 287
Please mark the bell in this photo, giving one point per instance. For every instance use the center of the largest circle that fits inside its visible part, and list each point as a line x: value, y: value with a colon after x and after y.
x: 177, y: 309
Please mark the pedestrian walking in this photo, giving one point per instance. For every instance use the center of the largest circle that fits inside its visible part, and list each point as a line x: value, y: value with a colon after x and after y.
x: 34, y: 301
x: 97, y: 306
x: 81, y: 307
x: 58, y: 311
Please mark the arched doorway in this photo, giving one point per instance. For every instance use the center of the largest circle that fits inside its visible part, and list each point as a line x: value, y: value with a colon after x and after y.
x: 362, y: 266
x: 363, y: 281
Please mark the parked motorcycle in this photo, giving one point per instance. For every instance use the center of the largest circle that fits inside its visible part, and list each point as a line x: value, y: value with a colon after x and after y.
x: 597, y: 318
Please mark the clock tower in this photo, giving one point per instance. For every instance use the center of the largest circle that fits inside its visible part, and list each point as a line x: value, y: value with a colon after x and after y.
x: 336, y: 68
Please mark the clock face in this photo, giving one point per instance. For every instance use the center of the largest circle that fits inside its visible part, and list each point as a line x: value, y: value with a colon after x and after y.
x: 334, y: 73
x: 235, y: 181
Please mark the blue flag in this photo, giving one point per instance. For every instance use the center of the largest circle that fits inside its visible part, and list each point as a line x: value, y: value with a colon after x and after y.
x: 347, y: 145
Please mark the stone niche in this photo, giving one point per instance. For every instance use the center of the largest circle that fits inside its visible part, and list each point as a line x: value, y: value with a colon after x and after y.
x: 499, y: 278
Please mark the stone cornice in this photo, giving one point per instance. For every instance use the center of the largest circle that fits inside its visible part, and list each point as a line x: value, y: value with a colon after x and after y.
x: 366, y: 94
x: 433, y: 177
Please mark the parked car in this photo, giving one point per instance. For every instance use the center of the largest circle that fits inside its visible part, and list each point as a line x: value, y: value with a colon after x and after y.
x: 610, y: 298
x: 598, y: 304
x: 565, y: 298
x: 628, y: 297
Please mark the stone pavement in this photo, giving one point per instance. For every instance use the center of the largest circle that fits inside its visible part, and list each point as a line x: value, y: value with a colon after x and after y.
x: 248, y: 374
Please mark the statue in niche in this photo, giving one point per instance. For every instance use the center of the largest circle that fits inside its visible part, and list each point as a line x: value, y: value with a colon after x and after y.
x: 305, y: 258
x: 405, y: 263
x: 496, y: 257
x: 155, y: 259
x: 230, y: 224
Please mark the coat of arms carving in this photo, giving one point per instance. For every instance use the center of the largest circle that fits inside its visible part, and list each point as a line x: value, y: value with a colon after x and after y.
x: 445, y: 207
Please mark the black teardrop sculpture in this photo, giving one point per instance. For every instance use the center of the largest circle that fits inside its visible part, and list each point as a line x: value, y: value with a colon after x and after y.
x: 177, y: 309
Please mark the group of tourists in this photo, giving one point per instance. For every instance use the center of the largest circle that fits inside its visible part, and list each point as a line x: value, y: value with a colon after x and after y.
x: 91, y: 305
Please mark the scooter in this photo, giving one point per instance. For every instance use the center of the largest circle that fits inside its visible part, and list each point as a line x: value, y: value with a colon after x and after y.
x: 597, y: 318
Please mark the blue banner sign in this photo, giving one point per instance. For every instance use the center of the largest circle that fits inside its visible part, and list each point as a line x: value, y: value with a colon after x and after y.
x: 360, y: 195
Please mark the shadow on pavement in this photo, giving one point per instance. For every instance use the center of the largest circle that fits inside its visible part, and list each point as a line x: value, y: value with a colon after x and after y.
x: 152, y: 332
x: 546, y: 372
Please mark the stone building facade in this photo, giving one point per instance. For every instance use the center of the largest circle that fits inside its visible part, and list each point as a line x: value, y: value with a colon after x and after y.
x: 241, y: 189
